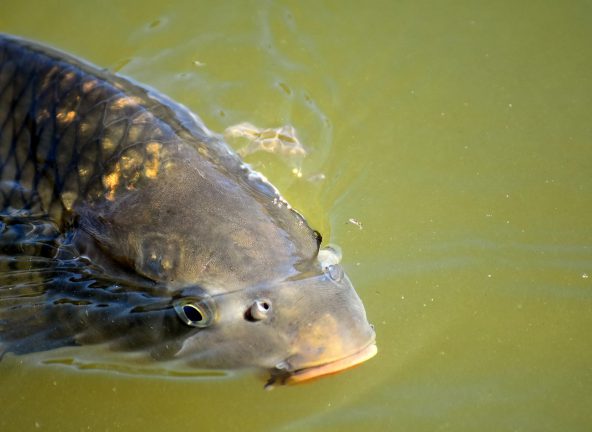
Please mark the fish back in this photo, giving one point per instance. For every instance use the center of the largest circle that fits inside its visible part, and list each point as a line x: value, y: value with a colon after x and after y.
x: 69, y: 131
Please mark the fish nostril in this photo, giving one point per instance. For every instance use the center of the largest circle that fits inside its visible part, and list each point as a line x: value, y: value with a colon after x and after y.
x: 258, y: 310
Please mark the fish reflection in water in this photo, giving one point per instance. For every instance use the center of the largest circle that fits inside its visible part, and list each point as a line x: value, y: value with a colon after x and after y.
x: 125, y: 222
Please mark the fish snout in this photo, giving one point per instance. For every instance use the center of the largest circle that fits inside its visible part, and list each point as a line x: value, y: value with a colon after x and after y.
x: 318, y: 362
x: 329, y: 346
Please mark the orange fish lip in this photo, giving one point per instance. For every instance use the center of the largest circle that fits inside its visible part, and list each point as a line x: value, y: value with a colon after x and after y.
x: 333, y: 367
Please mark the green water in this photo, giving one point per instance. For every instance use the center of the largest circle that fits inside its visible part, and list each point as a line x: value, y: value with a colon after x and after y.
x: 458, y: 133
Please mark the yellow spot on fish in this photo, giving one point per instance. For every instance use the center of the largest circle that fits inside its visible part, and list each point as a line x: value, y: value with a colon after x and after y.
x: 48, y: 79
x: 126, y: 101
x: 133, y: 132
x: 67, y: 80
x: 68, y: 199
x: 42, y: 115
x: 166, y: 264
x: 130, y: 161
x: 153, y: 163
x: 111, y: 181
x: 144, y: 117
x: 89, y: 85
x: 69, y: 76
x: 107, y: 144
x: 66, y: 116
x: 169, y: 166
x: 84, y: 127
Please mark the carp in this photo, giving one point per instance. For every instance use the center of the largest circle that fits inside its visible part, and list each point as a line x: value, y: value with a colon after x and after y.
x: 125, y: 221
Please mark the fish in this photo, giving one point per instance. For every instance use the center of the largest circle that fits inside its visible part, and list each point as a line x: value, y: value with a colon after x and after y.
x: 124, y: 221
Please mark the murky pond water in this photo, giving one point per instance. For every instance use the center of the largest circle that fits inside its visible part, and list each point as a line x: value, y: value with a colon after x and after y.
x: 450, y: 155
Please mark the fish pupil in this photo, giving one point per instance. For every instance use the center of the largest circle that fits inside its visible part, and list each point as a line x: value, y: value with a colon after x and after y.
x: 192, y: 313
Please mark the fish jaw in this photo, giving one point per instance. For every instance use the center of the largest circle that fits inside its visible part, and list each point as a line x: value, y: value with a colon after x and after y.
x: 334, y: 336
x: 313, y: 372
x: 333, y: 367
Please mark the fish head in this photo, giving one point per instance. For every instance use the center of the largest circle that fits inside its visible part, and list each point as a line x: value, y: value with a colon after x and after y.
x: 300, y: 328
x: 242, y: 267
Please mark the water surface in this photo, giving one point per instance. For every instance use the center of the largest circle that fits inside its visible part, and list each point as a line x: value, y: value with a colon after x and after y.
x: 457, y: 133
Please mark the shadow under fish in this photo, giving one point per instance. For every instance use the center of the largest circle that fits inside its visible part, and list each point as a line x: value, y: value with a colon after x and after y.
x: 124, y: 221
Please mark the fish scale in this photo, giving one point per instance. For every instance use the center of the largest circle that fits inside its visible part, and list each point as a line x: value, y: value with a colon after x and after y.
x: 43, y: 131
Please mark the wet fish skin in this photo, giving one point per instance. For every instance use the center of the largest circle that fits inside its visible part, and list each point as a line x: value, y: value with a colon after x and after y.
x: 47, y: 304
x: 137, y: 184
x: 77, y: 142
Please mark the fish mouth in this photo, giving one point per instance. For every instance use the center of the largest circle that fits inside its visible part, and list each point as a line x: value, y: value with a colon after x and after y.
x: 333, y: 367
x: 330, y: 368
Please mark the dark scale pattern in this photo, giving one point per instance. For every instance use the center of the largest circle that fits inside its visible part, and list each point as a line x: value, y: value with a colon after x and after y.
x: 64, y: 126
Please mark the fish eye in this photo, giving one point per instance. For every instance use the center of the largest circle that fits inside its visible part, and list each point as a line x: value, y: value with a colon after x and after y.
x: 194, y: 313
x: 258, y: 310
x: 335, y: 272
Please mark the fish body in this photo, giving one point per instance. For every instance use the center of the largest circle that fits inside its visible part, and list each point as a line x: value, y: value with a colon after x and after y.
x: 144, y: 230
